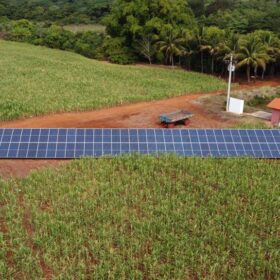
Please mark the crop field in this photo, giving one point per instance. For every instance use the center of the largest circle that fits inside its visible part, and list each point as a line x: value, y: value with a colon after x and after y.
x: 36, y: 80
x: 152, y: 218
x: 85, y: 27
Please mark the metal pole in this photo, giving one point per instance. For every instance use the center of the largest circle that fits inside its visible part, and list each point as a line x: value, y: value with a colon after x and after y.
x: 229, y: 81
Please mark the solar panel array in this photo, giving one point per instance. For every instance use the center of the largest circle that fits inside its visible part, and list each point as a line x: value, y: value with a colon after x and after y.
x: 76, y: 143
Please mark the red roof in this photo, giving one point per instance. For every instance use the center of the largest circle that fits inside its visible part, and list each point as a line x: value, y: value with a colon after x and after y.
x: 274, y: 104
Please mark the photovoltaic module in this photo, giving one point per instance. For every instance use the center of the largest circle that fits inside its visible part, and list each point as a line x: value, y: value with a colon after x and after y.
x: 75, y: 143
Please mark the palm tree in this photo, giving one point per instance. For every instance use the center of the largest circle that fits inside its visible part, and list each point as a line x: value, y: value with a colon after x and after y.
x: 228, y: 47
x: 213, y: 38
x: 271, y: 44
x: 252, y: 54
x: 188, y: 47
x: 200, y: 39
x: 171, y: 45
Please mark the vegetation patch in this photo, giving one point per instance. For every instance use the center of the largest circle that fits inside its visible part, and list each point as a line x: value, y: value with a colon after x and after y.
x: 252, y: 123
x: 152, y: 218
x: 85, y: 27
x: 259, y: 98
x: 36, y: 80
x: 256, y: 99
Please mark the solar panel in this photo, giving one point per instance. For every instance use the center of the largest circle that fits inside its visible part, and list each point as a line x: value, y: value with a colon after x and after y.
x: 75, y: 143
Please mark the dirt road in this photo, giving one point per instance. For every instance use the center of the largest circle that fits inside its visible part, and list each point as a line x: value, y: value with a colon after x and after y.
x: 140, y: 115
x: 145, y: 114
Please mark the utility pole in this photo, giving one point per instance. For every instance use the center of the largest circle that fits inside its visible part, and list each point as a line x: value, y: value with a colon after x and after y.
x: 231, y: 68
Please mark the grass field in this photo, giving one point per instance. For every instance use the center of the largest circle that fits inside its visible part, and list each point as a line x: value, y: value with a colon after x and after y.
x: 36, y: 80
x: 85, y: 27
x: 152, y: 218
x: 134, y: 217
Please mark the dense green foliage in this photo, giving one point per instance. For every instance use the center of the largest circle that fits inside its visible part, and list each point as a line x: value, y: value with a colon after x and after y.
x: 167, y: 31
x: 152, y: 218
x: 65, y: 11
x: 36, y: 80
x: 53, y: 36
x: 242, y: 16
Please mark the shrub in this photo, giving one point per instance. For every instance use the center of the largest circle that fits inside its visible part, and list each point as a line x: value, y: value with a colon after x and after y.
x: 22, y: 30
x: 115, y: 51
x: 261, y: 100
x: 87, y: 43
x: 56, y: 37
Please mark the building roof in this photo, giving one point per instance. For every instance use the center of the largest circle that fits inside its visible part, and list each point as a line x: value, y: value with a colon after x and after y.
x: 274, y: 104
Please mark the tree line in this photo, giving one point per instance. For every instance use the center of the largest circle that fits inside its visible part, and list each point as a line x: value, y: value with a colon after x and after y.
x: 241, y: 16
x: 62, y: 11
x: 173, y: 32
x: 88, y: 44
x: 208, y: 49
x: 168, y: 32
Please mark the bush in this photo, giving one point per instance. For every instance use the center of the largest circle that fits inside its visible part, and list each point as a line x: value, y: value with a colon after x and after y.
x: 22, y: 30
x: 56, y: 37
x: 38, y: 41
x: 87, y: 43
x: 261, y: 100
x: 115, y: 51
x: 5, y: 24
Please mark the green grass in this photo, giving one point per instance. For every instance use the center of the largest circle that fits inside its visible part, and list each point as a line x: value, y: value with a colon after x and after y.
x: 36, y: 80
x: 145, y: 218
x: 85, y: 27
x: 255, y: 124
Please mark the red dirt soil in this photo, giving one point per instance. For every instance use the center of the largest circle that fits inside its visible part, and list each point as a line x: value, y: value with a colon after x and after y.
x: 140, y: 115
x: 144, y: 114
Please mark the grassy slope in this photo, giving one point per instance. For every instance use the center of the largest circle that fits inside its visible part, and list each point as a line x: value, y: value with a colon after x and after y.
x: 36, y: 80
x: 197, y: 221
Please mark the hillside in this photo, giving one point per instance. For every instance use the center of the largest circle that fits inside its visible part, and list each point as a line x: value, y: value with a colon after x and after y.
x: 37, y: 80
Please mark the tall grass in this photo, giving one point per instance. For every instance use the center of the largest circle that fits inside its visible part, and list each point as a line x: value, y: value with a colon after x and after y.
x: 148, y: 218
x: 36, y: 80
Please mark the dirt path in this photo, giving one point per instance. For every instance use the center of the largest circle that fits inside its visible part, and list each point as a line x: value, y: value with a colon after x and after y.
x: 21, y: 168
x: 145, y: 114
x: 140, y: 115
